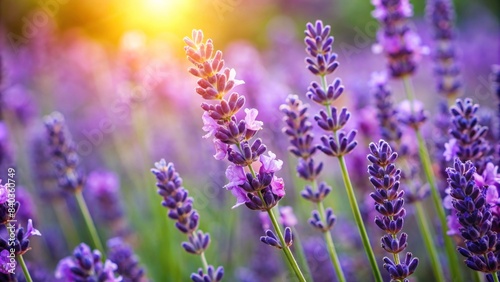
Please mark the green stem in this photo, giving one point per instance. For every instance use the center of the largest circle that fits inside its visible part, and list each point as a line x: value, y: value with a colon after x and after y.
x: 476, y: 276
x: 90, y: 223
x: 331, y: 247
x: 301, y: 255
x: 204, y: 261
x: 286, y: 249
x: 359, y: 220
x: 25, y: 269
x: 495, y: 277
x: 69, y: 230
x: 424, y: 227
x: 429, y: 174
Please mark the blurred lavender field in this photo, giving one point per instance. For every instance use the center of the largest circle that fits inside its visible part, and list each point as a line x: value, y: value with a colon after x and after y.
x: 93, y: 94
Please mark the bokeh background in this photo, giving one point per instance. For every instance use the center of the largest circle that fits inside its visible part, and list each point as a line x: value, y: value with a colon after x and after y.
x: 117, y: 71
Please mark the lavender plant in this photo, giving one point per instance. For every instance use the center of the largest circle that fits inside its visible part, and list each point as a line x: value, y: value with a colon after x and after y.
x: 403, y: 49
x: 66, y: 160
x: 180, y: 206
x: 389, y: 202
x: 233, y: 140
x: 336, y: 143
x: 299, y: 131
x: 474, y: 215
x: 126, y: 261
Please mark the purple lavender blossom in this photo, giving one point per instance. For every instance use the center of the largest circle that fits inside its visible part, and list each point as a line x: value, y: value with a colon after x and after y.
x: 63, y: 153
x: 474, y: 215
x: 175, y: 198
x: 126, y: 261
x: 21, y: 243
x: 399, y: 43
x: 467, y: 141
x: 86, y: 265
x: 412, y: 114
x: 389, y: 203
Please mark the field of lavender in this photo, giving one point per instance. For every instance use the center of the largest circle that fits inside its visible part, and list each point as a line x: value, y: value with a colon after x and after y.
x: 264, y: 141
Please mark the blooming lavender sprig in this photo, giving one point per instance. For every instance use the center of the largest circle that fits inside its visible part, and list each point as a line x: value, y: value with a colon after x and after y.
x: 86, y: 265
x: 21, y: 242
x: 389, y: 202
x: 298, y: 128
x: 233, y: 137
x: 336, y: 142
x: 176, y: 199
x: 441, y: 14
x: 66, y: 161
x: 126, y: 261
x: 7, y: 210
x: 474, y: 215
x: 467, y: 140
x: 399, y: 43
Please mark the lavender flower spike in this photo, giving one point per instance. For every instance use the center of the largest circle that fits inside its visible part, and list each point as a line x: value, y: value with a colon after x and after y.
x: 126, y: 261
x: 175, y: 198
x: 389, y: 203
x: 473, y: 212
x: 86, y: 265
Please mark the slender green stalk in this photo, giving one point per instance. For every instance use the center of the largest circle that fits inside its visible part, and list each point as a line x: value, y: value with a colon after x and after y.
x: 25, y: 269
x: 301, y: 255
x: 429, y: 174
x: 359, y: 220
x: 476, y: 275
x: 495, y: 277
x: 331, y: 247
x: 90, y: 223
x: 204, y: 261
x: 286, y: 249
x: 69, y: 230
x: 425, y: 228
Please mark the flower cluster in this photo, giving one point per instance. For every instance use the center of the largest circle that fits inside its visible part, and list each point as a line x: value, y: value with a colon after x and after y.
x: 474, y: 215
x: 233, y: 137
x: 401, y: 45
x: 467, y: 141
x: 389, y: 203
x: 298, y: 128
x: 318, y: 47
x: 64, y: 155
x: 86, y: 265
x: 440, y: 14
x: 175, y: 198
x: 127, y: 263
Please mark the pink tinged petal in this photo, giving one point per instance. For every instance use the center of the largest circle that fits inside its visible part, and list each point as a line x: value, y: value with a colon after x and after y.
x: 250, y: 122
x: 31, y: 231
x: 287, y: 216
x: 220, y: 149
x: 232, y: 76
x: 480, y: 181
x: 3, y: 194
x: 241, y: 196
x: 270, y: 163
x: 209, y: 125
x: 278, y: 186
x: 236, y: 176
x: 492, y: 195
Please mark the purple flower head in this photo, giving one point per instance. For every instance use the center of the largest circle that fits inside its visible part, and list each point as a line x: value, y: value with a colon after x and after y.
x: 212, y: 275
x: 269, y: 163
x: 489, y: 177
x: 236, y: 176
x: 21, y: 242
x: 387, y: 114
x: 475, y: 218
x: 440, y: 13
x: 412, y: 115
x: 209, y: 125
x: 103, y: 188
x: 5, y: 265
x: 396, y: 40
x: 469, y: 135
x: 250, y: 120
x: 322, y: 60
x: 4, y: 193
x: 6, y: 214
x: 127, y: 263
x: 389, y: 204
x: 64, y: 155
x: 86, y: 265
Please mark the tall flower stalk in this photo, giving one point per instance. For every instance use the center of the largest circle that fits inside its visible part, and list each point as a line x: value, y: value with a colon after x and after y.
x: 66, y: 161
x: 391, y: 133
x: 180, y: 206
x: 389, y: 202
x: 233, y: 139
x: 336, y: 143
x: 299, y: 131
x: 474, y: 215
x: 403, y: 49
